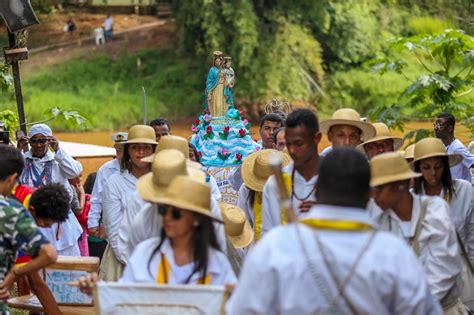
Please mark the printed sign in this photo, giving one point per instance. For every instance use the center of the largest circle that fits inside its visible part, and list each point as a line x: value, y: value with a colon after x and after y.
x: 57, y: 281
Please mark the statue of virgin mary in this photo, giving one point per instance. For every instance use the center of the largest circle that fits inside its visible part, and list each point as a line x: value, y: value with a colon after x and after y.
x: 215, y: 99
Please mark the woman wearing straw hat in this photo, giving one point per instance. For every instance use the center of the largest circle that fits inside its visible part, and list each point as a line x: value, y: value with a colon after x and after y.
x: 432, y: 160
x: 117, y: 192
x: 186, y: 251
x: 382, y: 142
x: 239, y: 234
x: 147, y: 223
x: 424, y: 222
x: 345, y: 128
x: 255, y: 172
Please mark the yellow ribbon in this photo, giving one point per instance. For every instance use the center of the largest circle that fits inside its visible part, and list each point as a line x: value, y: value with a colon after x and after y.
x: 340, y: 225
x: 164, y: 273
x: 257, y: 210
x: 287, y: 180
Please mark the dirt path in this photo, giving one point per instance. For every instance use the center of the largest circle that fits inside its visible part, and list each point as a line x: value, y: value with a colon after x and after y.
x: 154, y: 34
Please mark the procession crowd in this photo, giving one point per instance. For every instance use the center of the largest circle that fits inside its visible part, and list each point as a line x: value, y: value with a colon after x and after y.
x: 361, y: 228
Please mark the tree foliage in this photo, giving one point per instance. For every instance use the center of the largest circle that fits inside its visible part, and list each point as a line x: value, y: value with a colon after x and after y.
x: 447, y: 60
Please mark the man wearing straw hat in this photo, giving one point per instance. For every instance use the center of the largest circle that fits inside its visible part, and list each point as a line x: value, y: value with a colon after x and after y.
x: 96, y: 233
x: 302, y: 138
x: 333, y: 261
x: 382, y: 142
x: 423, y: 222
x: 345, y: 128
x: 147, y: 223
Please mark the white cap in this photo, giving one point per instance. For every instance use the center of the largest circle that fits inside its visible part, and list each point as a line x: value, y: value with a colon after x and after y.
x: 40, y: 129
x: 120, y: 137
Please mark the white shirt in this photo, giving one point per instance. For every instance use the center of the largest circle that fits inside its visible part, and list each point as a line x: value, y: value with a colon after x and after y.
x: 115, y: 198
x: 103, y: 174
x: 109, y: 23
x: 463, y: 169
x: 326, y: 151
x: 215, y: 192
x: 439, y: 251
x: 276, y: 278
x: 144, y: 263
x: 147, y: 223
x: 64, y: 167
x: 243, y: 203
x: 271, y: 215
x: 462, y: 208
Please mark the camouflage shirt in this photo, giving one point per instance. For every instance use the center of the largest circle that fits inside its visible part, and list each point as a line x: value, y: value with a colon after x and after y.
x: 17, y: 231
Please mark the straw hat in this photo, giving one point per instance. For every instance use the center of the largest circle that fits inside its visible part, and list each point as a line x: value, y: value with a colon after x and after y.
x: 170, y: 142
x: 431, y: 147
x: 186, y: 193
x: 236, y: 226
x: 141, y: 134
x: 382, y: 133
x: 388, y: 168
x: 256, y: 168
x: 166, y: 165
x: 409, y: 153
x: 348, y: 116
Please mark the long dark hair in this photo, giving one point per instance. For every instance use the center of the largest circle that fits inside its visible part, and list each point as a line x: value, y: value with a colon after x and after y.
x: 204, y: 238
x: 446, y: 180
x: 251, y: 196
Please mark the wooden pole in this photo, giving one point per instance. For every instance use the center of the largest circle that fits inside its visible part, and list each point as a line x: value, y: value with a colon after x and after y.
x: 17, y: 83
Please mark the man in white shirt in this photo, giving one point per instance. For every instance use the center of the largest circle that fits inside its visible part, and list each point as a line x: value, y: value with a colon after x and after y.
x: 47, y: 163
x: 333, y: 261
x: 302, y: 138
x: 103, y: 174
x: 345, y: 129
x: 444, y: 130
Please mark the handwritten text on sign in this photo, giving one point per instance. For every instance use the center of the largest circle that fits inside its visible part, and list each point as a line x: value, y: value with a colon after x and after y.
x: 57, y: 281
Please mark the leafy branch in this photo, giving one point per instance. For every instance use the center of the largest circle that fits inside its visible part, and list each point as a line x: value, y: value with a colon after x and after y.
x: 435, y: 91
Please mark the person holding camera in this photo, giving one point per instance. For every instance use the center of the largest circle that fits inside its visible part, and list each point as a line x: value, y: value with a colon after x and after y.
x: 47, y: 163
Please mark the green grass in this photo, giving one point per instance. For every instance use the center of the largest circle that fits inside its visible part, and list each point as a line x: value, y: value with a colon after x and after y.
x: 108, y: 92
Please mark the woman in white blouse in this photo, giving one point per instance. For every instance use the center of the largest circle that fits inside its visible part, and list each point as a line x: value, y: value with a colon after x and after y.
x: 423, y: 222
x: 117, y: 192
x: 432, y: 160
x: 187, y: 251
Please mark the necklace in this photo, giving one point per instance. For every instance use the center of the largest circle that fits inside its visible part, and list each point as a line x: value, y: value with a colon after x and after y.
x: 293, y: 193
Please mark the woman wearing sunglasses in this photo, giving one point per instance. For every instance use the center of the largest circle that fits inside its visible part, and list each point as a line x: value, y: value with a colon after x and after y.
x: 186, y: 252
x: 118, y: 191
x: 433, y: 162
x: 423, y: 222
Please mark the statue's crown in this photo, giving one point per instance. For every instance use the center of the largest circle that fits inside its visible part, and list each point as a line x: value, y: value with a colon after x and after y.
x: 276, y: 106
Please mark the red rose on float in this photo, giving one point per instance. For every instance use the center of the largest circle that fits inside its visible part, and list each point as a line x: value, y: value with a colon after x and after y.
x: 197, y: 122
x: 242, y: 132
x: 226, y: 129
x: 238, y: 156
x: 209, y: 129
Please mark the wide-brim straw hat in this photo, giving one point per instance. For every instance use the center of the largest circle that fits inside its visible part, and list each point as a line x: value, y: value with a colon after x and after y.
x: 434, y: 147
x: 348, y: 116
x: 382, y: 133
x: 388, y: 168
x: 409, y: 153
x: 170, y: 142
x: 236, y: 226
x: 167, y: 165
x: 141, y: 134
x: 189, y: 194
x: 256, y: 168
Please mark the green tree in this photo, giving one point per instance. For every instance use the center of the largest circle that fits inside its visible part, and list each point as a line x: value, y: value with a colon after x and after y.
x: 448, y: 60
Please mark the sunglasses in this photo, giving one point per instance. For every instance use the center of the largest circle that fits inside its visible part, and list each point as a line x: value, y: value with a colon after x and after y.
x: 175, y: 213
x: 39, y: 141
